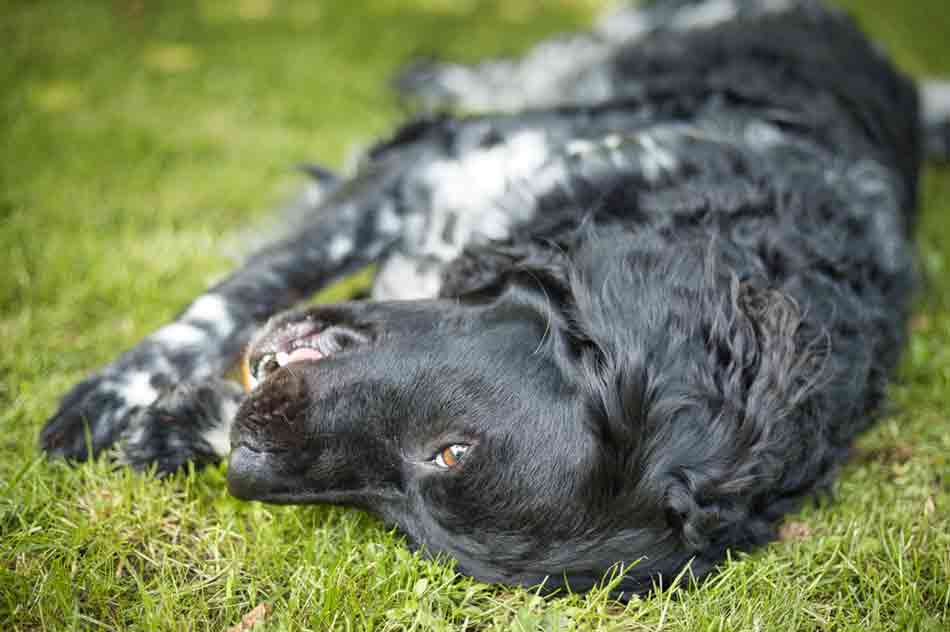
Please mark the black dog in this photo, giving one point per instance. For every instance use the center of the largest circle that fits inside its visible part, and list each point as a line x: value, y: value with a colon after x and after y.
x: 661, y: 294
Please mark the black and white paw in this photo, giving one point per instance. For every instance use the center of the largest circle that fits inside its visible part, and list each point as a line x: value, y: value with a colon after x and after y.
x: 190, y: 424
x: 95, y: 412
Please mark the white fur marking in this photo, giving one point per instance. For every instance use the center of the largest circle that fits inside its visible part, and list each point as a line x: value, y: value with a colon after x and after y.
x: 212, y: 310
x: 340, y: 246
x: 623, y: 24
x: 138, y: 389
x: 656, y: 160
x: 469, y: 188
x: 404, y: 279
x: 388, y: 221
x: 538, y: 78
x: 579, y: 146
x: 313, y: 195
x: 762, y: 135
x: 219, y: 436
x: 935, y: 97
x: 179, y: 335
x: 208, y: 307
x: 704, y: 15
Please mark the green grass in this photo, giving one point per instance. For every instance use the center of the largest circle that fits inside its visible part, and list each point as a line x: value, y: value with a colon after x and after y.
x: 136, y: 138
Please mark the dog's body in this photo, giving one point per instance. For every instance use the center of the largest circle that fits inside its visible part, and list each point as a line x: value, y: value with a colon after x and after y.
x: 658, y: 299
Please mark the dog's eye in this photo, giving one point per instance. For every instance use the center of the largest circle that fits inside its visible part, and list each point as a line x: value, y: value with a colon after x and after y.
x: 450, y: 455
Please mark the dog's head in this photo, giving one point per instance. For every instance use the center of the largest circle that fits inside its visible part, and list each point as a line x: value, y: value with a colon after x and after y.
x: 495, y: 429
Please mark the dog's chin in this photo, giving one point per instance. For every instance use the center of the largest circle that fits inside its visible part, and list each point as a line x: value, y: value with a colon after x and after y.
x: 256, y: 475
x: 250, y: 477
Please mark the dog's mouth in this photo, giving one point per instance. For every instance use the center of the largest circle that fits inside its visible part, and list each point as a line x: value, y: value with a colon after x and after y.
x: 293, y: 342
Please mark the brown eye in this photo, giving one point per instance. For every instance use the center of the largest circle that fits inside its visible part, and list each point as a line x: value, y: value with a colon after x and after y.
x: 451, y: 455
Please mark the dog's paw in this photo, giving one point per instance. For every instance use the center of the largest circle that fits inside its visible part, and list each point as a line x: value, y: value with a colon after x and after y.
x: 158, y: 438
x: 94, y: 413
x: 189, y: 424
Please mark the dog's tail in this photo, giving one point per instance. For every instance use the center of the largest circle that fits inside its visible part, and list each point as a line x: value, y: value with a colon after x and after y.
x: 935, y: 102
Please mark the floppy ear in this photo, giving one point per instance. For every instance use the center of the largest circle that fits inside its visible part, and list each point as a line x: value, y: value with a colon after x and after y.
x: 754, y: 449
x: 486, y: 269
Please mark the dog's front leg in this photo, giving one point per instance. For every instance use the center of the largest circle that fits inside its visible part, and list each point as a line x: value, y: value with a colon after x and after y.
x: 207, y: 338
x: 189, y: 424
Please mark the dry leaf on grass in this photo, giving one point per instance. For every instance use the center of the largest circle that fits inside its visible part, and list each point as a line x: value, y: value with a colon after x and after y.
x: 791, y: 531
x: 889, y: 455
x: 920, y: 322
x: 251, y: 619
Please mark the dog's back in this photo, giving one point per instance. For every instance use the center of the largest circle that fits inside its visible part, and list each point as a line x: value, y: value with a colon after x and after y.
x: 791, y: 80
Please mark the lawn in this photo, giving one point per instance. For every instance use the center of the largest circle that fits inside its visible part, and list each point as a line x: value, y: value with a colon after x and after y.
x: 141, y: 139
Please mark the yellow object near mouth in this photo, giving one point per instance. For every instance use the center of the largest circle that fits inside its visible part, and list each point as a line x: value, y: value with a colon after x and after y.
x: 246, y: 380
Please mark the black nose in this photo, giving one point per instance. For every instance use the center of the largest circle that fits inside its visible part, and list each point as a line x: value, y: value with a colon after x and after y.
x: 250, y: 476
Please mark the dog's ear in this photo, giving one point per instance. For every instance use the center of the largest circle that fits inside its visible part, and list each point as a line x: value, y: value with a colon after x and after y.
x: 725, y: 480
x: 486, y: 269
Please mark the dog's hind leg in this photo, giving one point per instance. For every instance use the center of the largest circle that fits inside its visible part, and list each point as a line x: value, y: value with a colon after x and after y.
x: 567, y: 69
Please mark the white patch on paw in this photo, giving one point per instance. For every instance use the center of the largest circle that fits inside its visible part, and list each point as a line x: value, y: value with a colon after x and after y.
x: 219, y: 436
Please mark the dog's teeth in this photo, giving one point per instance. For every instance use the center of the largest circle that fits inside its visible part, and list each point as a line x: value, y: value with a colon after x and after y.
x: 282, y: 358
